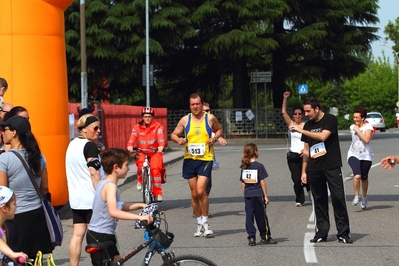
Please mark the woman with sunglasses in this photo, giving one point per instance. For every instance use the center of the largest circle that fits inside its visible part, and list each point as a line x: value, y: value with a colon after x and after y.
x: 28, y: 230
x: 83, y: 174
x: 294, y: 156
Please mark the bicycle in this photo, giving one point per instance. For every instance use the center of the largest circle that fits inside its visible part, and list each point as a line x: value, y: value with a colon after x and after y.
x: 157, y: 241
x: 148, y: 197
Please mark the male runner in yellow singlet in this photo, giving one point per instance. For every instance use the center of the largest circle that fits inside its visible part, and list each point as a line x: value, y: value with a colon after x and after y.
x: 195, y: 132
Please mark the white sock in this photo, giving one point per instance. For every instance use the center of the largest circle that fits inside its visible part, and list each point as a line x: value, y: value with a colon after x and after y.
x: 199, y: 220
x: 204, y: 219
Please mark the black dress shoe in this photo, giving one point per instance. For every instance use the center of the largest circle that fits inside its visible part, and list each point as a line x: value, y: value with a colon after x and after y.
x: 317, y: 239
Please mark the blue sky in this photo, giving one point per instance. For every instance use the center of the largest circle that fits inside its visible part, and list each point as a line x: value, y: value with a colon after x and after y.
x: 389, y: 10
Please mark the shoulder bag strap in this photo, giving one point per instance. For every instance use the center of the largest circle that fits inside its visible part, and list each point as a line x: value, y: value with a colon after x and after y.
x: 29, y: 173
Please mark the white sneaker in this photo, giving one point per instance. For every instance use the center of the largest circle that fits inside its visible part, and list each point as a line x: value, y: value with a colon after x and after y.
x: 200, y: 230
x: 139, y: 187
x: 364, y: 203
x: 158, y: 198
x: 356, y: 200
x: 298, y: 204
x: 207, y: 230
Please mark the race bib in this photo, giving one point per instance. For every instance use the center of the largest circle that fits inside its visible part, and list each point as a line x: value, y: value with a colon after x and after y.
x: 250, y: 176
x: 317, y: 150
x: 196, y: 149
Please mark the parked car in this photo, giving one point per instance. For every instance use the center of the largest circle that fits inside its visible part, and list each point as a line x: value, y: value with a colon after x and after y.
x: 376, y: 120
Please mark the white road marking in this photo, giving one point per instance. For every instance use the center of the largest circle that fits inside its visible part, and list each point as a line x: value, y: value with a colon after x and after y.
x: 308, y: 249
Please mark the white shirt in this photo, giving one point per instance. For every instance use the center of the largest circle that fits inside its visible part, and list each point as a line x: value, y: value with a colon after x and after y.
x: 359, y: 148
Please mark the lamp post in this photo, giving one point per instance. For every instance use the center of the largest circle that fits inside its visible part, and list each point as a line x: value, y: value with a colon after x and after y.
x: 83, y: 65
x: 147, y: 54
x: 397, y: 63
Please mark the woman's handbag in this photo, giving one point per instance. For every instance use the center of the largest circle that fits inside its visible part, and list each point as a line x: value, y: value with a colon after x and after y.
x: 52, y: 219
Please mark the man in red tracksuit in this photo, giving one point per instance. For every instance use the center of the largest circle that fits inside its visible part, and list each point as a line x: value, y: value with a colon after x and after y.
x: 149, y: 134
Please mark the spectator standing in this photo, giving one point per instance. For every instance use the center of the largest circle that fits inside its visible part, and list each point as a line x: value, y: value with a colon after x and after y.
x: 145, y: 135
x: 360, y: 155
x: 397, y: 118
x: 321, y: 165
x: 3, y: 89
x: 29, y: 223
x: 197, y: 128
x: 294, y: 156
x: 90, y: 110
x: 222, y: 141
x: 83, y: 174
x: 107, y: 206
x: 253, y: 183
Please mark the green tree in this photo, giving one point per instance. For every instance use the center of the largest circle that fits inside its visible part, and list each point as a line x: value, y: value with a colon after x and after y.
x: 320, y: 40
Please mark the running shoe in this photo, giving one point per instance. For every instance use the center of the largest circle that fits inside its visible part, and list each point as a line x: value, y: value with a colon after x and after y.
x: 298, y: 204
x: 356, y: 200
x: 207, y: 230
x: 251, y: 241
x: 364, y: 203
x: 200, y: 230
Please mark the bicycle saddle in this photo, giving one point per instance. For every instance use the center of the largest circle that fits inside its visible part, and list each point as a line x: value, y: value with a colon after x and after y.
x: 98, y: 246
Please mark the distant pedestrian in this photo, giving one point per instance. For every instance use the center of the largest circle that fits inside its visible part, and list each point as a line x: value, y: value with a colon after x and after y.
x: 397, y: 118
x: 360, y: 155
x: 253, y: 183
x: 3, y: 89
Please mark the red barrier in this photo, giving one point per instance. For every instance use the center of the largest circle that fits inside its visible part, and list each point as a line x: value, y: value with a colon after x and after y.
x: 118, y: 122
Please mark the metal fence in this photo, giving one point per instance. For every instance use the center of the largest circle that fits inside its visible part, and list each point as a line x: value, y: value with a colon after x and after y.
x: 242, y: 122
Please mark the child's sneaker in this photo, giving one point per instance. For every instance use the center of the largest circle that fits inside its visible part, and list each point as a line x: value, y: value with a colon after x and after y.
x: 207, y: 230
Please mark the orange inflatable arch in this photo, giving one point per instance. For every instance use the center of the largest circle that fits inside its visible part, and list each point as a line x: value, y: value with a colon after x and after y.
x: 33, y: 61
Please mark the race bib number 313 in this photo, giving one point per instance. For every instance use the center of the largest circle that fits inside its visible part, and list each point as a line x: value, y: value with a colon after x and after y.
x: 250, y: 176
x: 196, y: 149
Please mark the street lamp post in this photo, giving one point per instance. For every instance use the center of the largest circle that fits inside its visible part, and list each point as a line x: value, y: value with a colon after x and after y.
x: 397, y: 63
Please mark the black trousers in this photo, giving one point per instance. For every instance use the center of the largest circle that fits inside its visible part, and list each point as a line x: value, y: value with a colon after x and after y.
x: 318, y: 183
x: 295, y: 167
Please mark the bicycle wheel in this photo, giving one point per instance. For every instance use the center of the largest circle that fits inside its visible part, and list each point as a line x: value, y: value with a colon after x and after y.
x: 146, y: 190
x: 187, y: 260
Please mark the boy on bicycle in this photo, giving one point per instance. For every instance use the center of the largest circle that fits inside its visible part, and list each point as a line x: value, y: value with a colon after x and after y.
x: 107, y: 207
x: 149, y: 134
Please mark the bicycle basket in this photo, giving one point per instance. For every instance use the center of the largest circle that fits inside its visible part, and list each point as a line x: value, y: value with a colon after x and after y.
x: 164, y: 240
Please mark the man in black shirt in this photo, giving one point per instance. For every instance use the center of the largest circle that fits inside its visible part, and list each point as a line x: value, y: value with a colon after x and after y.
x: 321, y: 165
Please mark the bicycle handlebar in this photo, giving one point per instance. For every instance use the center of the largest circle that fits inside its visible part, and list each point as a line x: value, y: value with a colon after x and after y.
x: 136, y: 149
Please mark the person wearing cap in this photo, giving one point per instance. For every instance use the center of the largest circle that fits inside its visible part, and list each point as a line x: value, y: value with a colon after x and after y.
x: 29, y: 223
x: 8, y: 207
x: 83, y: 168
x: 145, y: 135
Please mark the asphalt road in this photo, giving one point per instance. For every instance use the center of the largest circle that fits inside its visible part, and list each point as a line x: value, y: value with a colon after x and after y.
x: 374, y: 230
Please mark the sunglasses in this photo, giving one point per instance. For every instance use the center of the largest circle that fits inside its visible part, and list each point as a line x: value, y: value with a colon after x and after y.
x: 297, y: 113
x: 96, y: 128
x: 207, y: 110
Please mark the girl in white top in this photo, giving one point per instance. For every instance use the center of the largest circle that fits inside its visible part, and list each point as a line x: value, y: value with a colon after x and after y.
x: 294, y: 156
x: 360, y: 154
